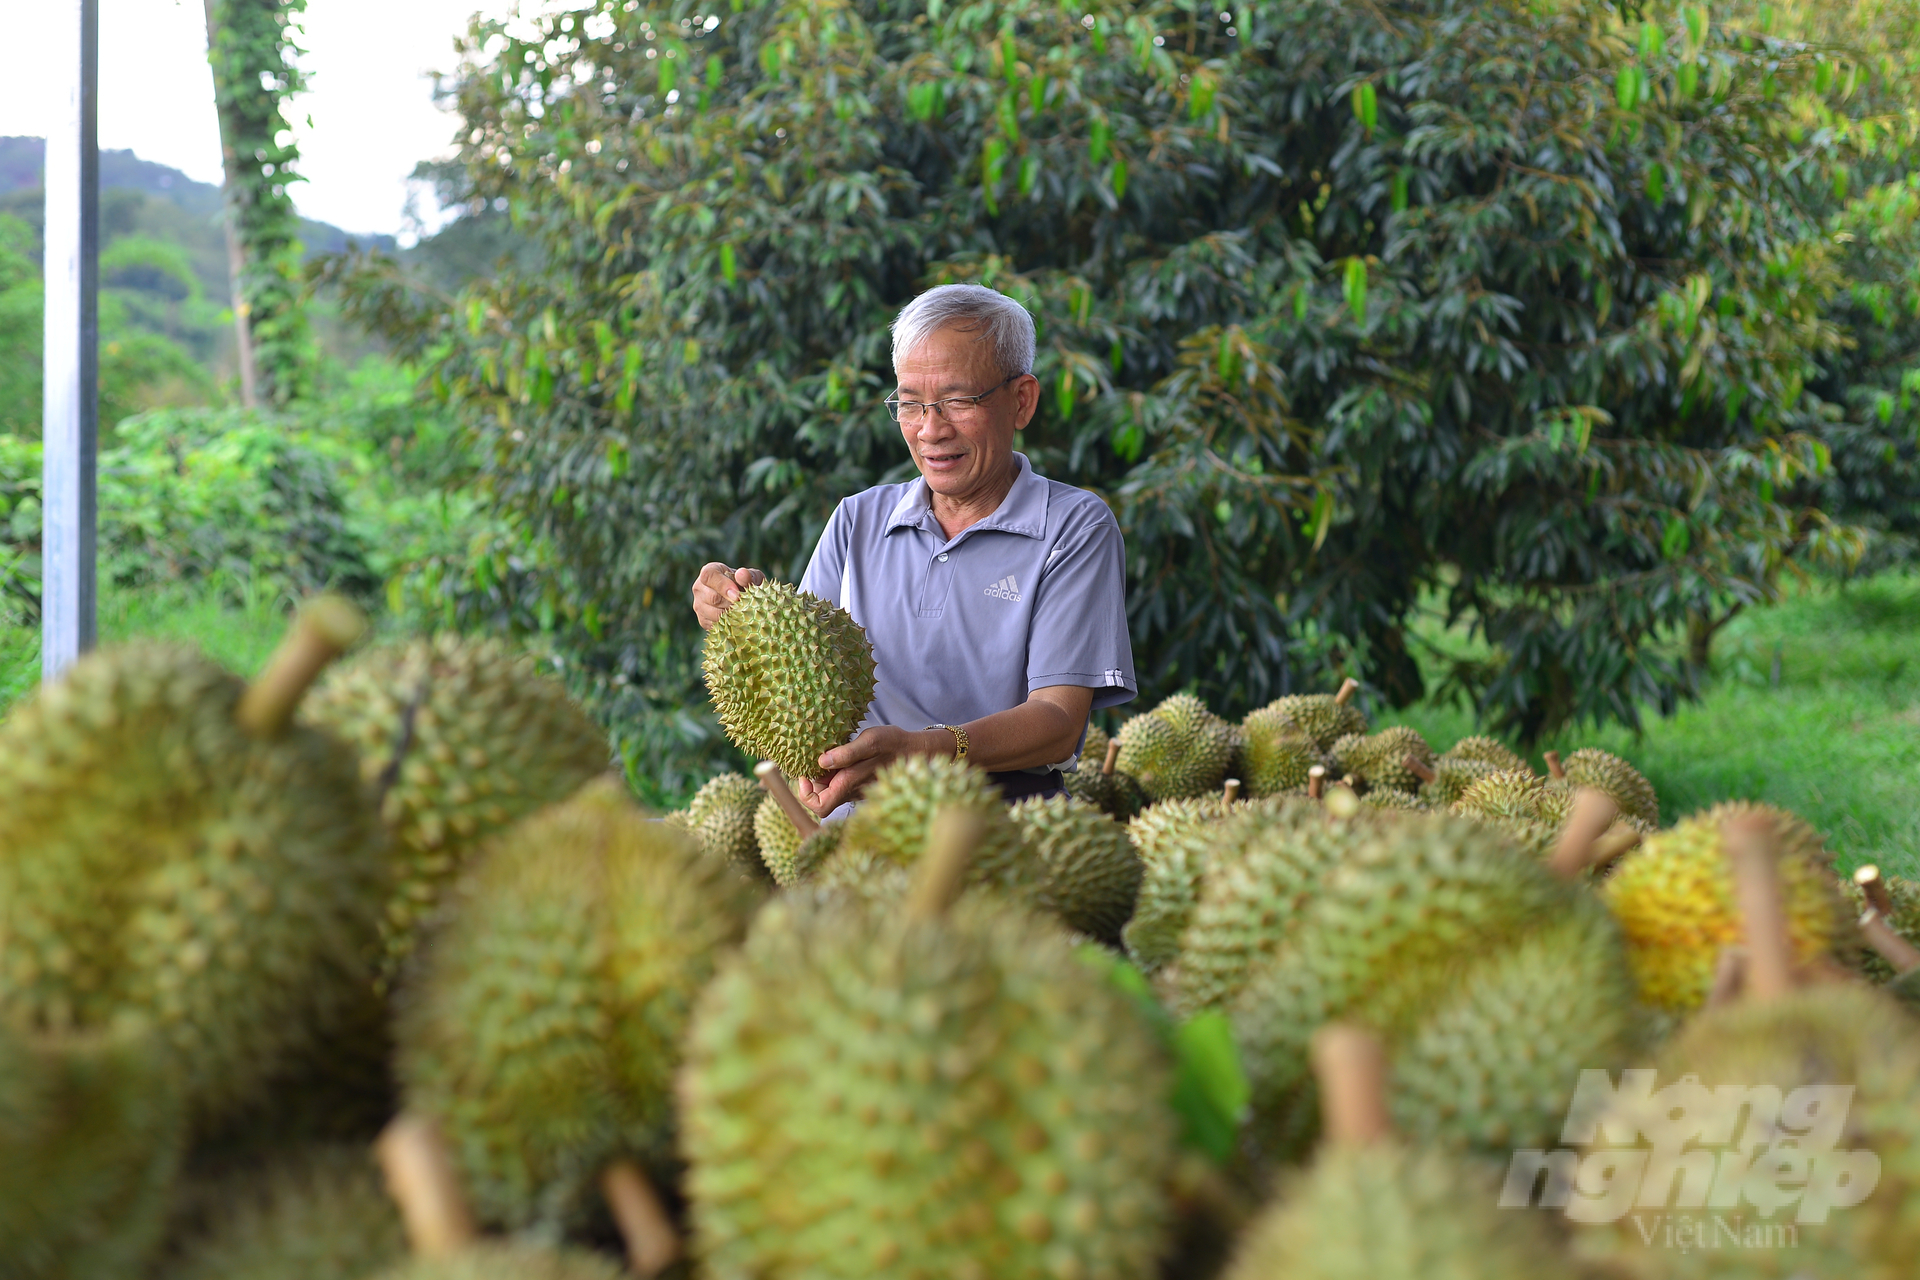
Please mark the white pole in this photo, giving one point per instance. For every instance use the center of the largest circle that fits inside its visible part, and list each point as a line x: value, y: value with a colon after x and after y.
x: 71, y: 413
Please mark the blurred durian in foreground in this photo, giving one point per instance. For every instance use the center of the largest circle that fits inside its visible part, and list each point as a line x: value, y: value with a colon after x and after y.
x: 723, y: 817
x: 1173, y: 839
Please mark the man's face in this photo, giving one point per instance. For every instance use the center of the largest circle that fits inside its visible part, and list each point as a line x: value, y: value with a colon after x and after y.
x: 965, y: 453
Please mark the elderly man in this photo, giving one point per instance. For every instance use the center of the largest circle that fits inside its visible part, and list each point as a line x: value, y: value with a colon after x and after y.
x: 994, y: 598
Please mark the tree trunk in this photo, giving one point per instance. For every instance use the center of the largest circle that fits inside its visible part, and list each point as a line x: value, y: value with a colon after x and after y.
x: 236, y: 249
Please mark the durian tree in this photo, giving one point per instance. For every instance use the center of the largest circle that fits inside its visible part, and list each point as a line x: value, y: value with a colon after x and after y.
x: 1336, y: 306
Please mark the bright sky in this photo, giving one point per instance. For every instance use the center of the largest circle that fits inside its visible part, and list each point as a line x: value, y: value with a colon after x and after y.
x: 371, y: 99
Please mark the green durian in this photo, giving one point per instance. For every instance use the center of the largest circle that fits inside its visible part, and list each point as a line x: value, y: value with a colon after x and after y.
x: 1115, y: 794
x: 1172, y: 838
x: 1093, y: 872
x: 1628, y: 788
x: 1379, y: 759
x: 1905, y: 921
x: 1486, y: 751
x: 722, y: 816
x: 815, y: 852
x: 92, y: 1129
x: 1390, y: 798
x: 1515, y: 795
x: 544, y: 1025
x: 460, y: 738
x: 160, y: 861
x: 319, y: 1213
x: 1275, y: 754
x: 778, y: 839
x: 1176, y: 751
x: 1323, y: 717
x: 494, y: 1261
x: 872, y: 1094
x: 895, y: 817
x: 791, y: 676
x: 1452, y: 775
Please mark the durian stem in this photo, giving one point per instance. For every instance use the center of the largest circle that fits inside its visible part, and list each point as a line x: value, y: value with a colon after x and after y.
x: 775, y: 783
x: 1593, y: 812
x: 1348, y: 688
x: 1729, y: 976
x: 1902, y: 955
x: 1554, y: 766
x: 1231, y: 791
x: 1874, y: 888
x: 1351, y: 1065
x: 1317, y: 782
x: 1614, y: 843
x: 325, y: 628
x: 1113, y: 754
x: 950, y: 844
x: 1420, y: 769
x: 1753, y: 849
x: 421, y: 1180
x: 652, y: 1243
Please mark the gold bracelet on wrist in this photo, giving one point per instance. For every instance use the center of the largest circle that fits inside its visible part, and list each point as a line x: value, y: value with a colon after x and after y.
x: 959, y: 739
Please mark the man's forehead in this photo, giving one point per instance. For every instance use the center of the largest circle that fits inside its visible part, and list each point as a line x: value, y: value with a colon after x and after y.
x: 950, y: 357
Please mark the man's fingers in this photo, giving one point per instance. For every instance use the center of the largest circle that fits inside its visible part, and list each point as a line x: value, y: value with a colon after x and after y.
x: 749, y: 577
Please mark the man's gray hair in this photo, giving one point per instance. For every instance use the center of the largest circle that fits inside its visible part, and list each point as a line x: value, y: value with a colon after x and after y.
x: 997, y: 318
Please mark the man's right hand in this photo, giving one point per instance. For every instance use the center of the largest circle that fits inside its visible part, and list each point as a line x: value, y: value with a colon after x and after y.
x: 717, y: 587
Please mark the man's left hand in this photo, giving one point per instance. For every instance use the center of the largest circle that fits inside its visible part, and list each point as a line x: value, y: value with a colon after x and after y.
x: 847, y: 770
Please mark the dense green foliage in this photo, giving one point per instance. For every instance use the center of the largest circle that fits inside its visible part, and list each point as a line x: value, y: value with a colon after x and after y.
x: 1338, y: 306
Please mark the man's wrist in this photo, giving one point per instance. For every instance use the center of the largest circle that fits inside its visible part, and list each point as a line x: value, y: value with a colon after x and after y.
x: 942, y: 741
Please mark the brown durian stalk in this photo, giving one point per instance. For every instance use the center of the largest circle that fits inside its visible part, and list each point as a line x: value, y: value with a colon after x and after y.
x: 775, y: 784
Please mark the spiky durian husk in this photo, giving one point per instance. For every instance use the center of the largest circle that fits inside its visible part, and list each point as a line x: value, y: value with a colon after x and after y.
x: 1317, y: 715
x: 1515, y: 795
x: 1674, y: 899
x: 459, y: 738
x: 1486, y: 751
x: 1177, y: 750
x: 1276, y: 754
x: 157, y: 862
x: 319, y: 1213
x: 867, y: 1095
x: 1840, y: 1034
x: 1093, y: 872
x: 495, y: 1261
x: 544, y: 1025
x: 1626, y: 785
x: 1379, y: 759
x: 723, y: 817
x: 1452, y: 776
x: 812, y: 854
x: 91, y: 1133
x: 895, y: 817
x: 790, y: 674
x: 1905, y: 922
x: 1115, y: 794
x: 1392, y: 1212
x: 778, y: 839
x: 1172, y: 838
x: 1391, y: 798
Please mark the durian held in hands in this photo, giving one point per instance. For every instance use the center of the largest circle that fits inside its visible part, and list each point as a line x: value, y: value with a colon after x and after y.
x: 790, y: 674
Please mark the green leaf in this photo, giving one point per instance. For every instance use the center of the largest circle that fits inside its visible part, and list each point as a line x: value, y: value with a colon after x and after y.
x: 1366, y: 105
x: 1009, y: 117
x: 920, y: 100
x: 1626, y: 87
x: 1210, y: 1090
x: 1687, y: 79
x: 1397, y: 192
x: 1354, y: 284
x: 1119, y: 179
x: 1009, y: 57
x: 1677, y: 537
x: 1116, y: 356
x: 729, y: 265
x: 1652, y: 40
x: 1098, y: 138
x: 1320, y: 518
x: 1029, y: 173
x: 1037, y: 93
x: 713, y: 72
x: 1657, y: 183
x: 669, y: 69
x: 1697, y: 24
x: 1063, y: 396
x: 1223, y: 511
x: 1200, y: 96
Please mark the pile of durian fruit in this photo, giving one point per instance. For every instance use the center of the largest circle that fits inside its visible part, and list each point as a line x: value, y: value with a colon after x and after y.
x: 371, y: 968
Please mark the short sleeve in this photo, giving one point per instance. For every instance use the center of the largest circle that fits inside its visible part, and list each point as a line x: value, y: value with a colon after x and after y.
x: 1079, y: 629
x: 826, y: 572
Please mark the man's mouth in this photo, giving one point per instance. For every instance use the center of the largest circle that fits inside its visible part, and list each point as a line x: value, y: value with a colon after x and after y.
x: 942, y: 461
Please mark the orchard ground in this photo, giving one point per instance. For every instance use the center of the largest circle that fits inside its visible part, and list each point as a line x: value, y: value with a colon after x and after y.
x: 1814, y: 704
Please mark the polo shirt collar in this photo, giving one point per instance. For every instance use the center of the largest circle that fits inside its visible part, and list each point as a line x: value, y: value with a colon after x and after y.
x: 1022, y: 511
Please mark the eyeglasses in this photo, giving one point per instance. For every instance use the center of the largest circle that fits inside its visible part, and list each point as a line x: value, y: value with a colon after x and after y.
x: 953, y: 408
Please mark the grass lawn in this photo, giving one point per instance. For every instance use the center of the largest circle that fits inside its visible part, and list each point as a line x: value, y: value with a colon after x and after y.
x: 1833, y: 733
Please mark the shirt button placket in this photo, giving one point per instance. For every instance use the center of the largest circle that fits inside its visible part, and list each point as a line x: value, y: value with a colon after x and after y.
x: 933, y: 598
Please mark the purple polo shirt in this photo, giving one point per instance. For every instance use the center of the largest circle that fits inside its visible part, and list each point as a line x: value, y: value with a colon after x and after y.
x: 1032, y: 596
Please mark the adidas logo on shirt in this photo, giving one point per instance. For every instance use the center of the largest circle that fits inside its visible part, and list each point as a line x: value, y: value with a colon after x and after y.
x: 1005, y: 589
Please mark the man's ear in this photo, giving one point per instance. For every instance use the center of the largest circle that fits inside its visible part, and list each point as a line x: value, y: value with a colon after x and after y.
x: 1027, y: 395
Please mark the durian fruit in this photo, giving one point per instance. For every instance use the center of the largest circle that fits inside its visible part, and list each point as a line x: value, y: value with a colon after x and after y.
x: 502, y: 1261
x: 544, y: 1024
x: 1275, y: 754
x: 815, y: 852
x: 1101, y: 784
x: 1372, y: 1207
x: 1624, y: 784
x: 92, y: 1129
x: 1486, y: 751
x: 791, y: 676
x: 1324, y: 717
x: 1176, y: 751
x: 1673, y: 897
x: 1379, y: 759
x: 459, y: 738
x: 174, y: 850
x: 1093, y: 872
x: 319, y: 1213
x: 895, y: 818
x: 1903, y: 897
x: 722, y: 816
x: 1515, y: 795
x: 871, y: 1091
x: 777, y: 838
x: 1391, y: 798
x: 1173, y: 839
